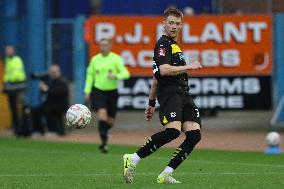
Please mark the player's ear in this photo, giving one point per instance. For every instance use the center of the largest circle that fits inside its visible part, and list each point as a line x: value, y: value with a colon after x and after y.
x: 163, y: 23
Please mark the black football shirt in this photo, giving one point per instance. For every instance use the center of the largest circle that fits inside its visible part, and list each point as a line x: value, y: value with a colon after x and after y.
x: 167, y: 51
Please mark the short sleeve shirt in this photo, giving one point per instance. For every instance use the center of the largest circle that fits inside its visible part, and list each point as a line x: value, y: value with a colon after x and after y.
x: 167, y: 51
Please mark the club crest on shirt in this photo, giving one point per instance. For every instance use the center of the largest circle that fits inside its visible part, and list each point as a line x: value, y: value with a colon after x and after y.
x: 173, y: 114
x: 162, y: 52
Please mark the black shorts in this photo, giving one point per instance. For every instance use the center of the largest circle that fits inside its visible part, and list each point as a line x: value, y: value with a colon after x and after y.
x: 104, y: 99
x: 176, y: 106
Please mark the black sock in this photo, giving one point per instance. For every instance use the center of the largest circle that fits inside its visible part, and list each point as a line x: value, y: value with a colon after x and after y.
x: 103, y: 131
x: 192, y: 138
x: 157, y: 140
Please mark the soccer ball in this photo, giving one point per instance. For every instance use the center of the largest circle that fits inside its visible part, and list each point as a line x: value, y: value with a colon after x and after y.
x: 78, y: 116
x: 272, y: 139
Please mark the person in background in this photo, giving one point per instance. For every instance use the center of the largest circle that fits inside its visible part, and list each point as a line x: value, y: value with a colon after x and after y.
x: 14, y: 85
x: 103, y: 73
x: 188, y: 11
x: 54, y: 103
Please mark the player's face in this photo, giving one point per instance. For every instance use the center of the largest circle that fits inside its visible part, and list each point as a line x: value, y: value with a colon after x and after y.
x: 54, y: 71
x: 105, y: 47
x: 172, y: 26
x: 9, y: 51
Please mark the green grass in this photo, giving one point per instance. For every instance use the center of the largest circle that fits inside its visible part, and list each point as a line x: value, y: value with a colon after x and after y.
x: 33, y: 164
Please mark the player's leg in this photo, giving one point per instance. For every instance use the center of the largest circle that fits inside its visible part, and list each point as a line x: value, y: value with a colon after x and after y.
x: 51, y: 121
x: 99, y: 104
x: 110, y: 122
x: 107, y: 117
x: 37, y: 125
x: 191, y: 128
x: 103, y: 129
x: 12, y: 98
x: 112, y: 98
x: 153, y: 143
x: 159, y: 139
x: 104, y: 126
x: 193, y: 136
x: 170, y: 117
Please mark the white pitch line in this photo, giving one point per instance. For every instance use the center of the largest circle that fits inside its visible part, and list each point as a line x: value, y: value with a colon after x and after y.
x: 227, y: 163
x: 241, y: 164
x: 142, y: 174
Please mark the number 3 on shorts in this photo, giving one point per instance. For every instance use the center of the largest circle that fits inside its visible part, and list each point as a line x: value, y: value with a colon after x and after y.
x: 197, y: 112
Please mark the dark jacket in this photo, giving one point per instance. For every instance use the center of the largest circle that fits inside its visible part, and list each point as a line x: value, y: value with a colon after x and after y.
x: 57, y: 95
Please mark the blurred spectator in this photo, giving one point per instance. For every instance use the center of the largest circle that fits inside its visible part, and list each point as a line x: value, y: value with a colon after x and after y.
x: 188, y: 11
x: 54, y: 103
x: 239, y: 12
x: 14, y: 86
x: 96, y: 6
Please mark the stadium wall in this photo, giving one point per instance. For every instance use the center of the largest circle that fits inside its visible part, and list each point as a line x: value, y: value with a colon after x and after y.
x: 150, y: 7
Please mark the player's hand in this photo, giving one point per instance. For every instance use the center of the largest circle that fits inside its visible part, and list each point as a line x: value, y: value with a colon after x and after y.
x: 149, y: 112
x: 87, y: 97
x: 43, y: 86
x: 195, y: 65
x: 111, y: 76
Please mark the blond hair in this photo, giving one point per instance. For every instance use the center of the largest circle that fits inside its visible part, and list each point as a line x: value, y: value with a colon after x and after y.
x: 172, y: 11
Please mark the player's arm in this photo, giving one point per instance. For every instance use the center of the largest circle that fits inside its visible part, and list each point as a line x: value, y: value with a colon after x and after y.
x: 162, y: 54
x: 169, y: 70
x: 153, y: 90
x: 123, y: 73
x: 149, y: 111
x: 90, y: 77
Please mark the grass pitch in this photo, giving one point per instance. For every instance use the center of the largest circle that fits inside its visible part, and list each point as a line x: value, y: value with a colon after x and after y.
x: 36, y: 164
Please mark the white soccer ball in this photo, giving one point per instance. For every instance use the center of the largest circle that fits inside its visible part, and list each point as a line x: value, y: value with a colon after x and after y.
x: 272, y: 139
x: 78, y: 116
